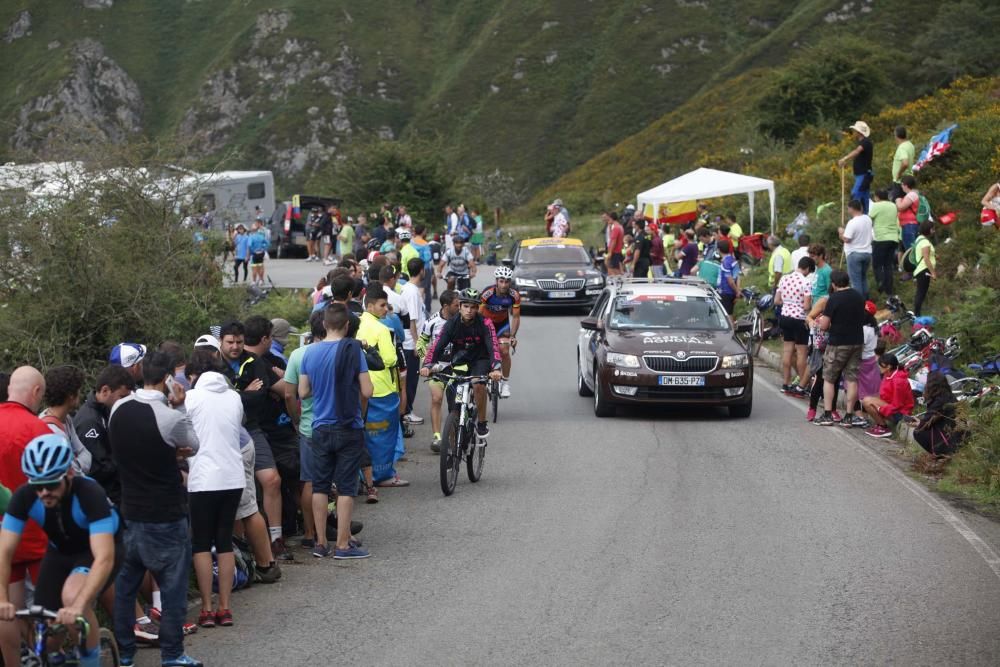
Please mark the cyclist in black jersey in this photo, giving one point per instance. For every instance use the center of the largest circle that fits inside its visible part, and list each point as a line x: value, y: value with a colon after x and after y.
x: 82, y: 527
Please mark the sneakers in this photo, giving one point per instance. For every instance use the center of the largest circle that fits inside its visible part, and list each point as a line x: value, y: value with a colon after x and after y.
x: 878, y: 431
x: 183, y: 661
x: 825, y: 419
x: 280, y: 551
x: 224, y: 617
x: 504, y: 389
x: 853, y: 421
x: 206, y: 618
x: 372, y: 495
x: 800, y: 392
x: 413, y: 419
x: 322, y: 551
x: 482, y: 429
x: 407, y: 430
x: 436, y: 443
x: 350, y: 553
x: 189, y: 628
x: 836, y: 416
x: 146, y: 632
x: 810, y: 414
x: 269, y: 574
x: 307, y: 543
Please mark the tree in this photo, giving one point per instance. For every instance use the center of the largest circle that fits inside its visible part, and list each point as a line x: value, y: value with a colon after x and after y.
x: 836, y: 80
x: 100, y: 256
x: 498, y: 190
x: 412, y: 173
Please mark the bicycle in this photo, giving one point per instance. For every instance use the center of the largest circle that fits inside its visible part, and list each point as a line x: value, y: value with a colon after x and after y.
x: 493, y: 396
x: 37, y: 653
x: 459, y: 439
x: 753, y: 339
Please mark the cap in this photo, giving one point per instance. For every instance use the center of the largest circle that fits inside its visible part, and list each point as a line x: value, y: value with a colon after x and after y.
x: 208, y: 340
x: 870, y: 307
x: 281, y: 329
x: 127, y: 354
x: 557, y: 202
x: 630, y: 207
x: 862, y: 128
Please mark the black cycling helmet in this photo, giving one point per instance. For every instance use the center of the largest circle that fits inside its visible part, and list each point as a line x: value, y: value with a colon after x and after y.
x: 469, y: 295
x: 373, y: 244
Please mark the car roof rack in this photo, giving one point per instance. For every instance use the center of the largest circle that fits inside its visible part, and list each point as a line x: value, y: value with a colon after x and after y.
x: 693, y: 281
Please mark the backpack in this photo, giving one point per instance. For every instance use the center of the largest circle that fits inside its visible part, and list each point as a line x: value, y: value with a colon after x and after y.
x: 908, y: 263
x: 923, y: 209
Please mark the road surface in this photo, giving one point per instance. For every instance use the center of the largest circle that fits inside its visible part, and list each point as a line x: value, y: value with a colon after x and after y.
x: 657, y: 537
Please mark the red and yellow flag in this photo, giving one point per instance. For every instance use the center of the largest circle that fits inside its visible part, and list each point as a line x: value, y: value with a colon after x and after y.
x: 676, y: 213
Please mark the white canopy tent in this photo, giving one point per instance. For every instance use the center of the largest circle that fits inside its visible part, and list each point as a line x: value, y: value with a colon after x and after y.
x: 706, y: 183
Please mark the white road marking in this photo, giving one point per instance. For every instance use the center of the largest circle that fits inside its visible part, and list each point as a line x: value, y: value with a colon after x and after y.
x: 985, y: 551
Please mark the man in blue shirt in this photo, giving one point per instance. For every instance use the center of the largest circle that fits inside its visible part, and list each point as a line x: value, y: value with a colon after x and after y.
x: 729, y: 285
x: 241, y: 252
x: 258, y: 250
x: 334, y: 374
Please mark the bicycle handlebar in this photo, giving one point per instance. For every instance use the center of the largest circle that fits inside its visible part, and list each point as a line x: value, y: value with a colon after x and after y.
x: 41, y: 613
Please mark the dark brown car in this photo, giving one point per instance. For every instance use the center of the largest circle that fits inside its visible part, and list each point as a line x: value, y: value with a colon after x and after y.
x: 662, y: 343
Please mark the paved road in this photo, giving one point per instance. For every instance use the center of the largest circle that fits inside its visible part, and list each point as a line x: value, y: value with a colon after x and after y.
x: 658, y: 537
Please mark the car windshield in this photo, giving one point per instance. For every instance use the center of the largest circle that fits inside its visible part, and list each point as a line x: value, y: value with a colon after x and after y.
x: 553, y: 254
x: 667, y: 311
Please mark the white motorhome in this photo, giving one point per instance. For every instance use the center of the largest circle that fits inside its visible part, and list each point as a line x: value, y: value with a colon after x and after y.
x: 233, y: 196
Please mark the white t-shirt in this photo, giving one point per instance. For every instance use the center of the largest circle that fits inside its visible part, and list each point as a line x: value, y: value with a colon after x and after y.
x: 871, y: 342
x: 414, y: 301
x: 560, y: 225
x: 859, y: 234
x: 794, y: 288
x: 216, y: 412
x: 798, y: 254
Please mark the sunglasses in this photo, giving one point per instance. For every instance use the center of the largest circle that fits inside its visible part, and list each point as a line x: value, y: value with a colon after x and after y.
x: 48, y: 486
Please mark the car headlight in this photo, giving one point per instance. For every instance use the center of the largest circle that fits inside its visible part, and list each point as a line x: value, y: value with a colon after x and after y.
x: 735, y: 361
x: 524, y: 282
x: 623, y: 360
x: 596, y: 280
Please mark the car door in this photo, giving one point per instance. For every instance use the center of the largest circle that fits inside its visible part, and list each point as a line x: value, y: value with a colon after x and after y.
x: 588, y: 340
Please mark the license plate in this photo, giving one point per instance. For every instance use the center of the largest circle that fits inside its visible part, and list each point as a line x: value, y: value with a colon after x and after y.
x: 564, y: 294
x: 682, y: 380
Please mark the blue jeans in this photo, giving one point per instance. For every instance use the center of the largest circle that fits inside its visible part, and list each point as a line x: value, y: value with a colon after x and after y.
x: 164, y: 549
x: 909, y: 235
x: 862, y: 189
x: 857, y: 271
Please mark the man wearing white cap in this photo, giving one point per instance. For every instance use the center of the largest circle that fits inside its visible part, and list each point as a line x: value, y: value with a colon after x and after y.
x: 862, y: 163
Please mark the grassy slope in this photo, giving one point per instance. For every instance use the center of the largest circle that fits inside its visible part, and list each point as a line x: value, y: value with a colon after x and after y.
x: 601, y: 87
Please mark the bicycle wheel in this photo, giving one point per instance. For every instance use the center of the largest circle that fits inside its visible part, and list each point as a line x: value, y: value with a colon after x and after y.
x: 474, y: 462
x: 109, y: 649
x: 450, y: 457
x: 756, y: 333
x: 495, y: 399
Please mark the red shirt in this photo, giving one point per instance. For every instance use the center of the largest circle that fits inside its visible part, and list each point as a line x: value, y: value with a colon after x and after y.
x: 18, y: 427
x: 616, y: 238
x: 896, y: 392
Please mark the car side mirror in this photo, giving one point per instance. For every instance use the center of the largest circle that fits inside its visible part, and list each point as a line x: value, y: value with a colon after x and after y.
x: 507, y: 261
x: 591, y: 324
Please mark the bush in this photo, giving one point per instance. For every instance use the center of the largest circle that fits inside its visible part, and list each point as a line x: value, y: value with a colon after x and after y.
x: 975, y: 469
x: 105, y: 261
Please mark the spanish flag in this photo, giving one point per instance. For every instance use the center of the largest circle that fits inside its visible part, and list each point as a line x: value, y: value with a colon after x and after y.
x: 676, y: 213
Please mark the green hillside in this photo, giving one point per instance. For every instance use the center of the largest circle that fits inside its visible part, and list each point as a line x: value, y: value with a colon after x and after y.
x: 533, y: 88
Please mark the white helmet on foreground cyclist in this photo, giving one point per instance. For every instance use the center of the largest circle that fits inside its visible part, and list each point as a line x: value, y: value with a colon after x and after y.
x: 503, y: 272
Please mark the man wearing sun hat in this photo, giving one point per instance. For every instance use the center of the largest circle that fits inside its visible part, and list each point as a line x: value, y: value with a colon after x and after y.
x: 862, y: 163
x: 129, y: 356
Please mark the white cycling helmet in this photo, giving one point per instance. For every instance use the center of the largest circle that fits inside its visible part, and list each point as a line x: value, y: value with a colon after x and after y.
x: 403, y: 234
x: 503, y: 272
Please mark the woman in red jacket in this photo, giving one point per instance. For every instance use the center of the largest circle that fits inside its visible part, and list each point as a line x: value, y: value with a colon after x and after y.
x: 895, y: 397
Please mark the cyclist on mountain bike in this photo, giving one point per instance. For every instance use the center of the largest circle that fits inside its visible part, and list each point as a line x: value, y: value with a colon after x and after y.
x: 457, y: 265
x: 474, y: 343
x: 83, y: 530
x: 502, y: 304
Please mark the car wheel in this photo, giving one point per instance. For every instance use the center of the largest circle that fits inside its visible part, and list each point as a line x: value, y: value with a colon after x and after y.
x: 581, y: 384
x: 602, y: 408
x: 741, y: 411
